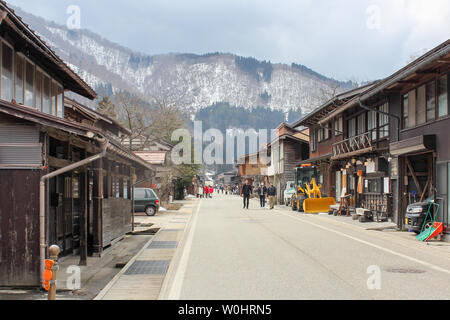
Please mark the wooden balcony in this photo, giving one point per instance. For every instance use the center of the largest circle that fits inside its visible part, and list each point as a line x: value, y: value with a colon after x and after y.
x: 355, y: 145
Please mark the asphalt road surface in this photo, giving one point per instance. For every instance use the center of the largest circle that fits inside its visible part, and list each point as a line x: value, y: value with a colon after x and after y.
x: 237, y: 254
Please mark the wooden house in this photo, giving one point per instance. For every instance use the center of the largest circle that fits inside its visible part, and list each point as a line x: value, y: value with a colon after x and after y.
x: 286, y: 152
x: 253, y: 168
x: 65, y: 178
x: 389, y: 139
x: 349, y: 146
x: 420, y: 144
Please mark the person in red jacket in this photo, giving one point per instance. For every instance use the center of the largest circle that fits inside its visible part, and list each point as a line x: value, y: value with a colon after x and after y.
x: 206, y: 192
x: 211, y: 191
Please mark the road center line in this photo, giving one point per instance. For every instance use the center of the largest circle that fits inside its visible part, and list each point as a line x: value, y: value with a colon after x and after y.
x: 177, y: 286
x: 429, y: 265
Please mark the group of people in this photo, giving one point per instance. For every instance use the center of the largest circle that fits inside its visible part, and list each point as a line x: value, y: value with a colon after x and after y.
x: 262, y: 191
x: 205, y: 192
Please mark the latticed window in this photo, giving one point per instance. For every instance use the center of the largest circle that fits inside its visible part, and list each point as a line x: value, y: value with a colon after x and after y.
x: 405, y: 111
x: 383, y: 122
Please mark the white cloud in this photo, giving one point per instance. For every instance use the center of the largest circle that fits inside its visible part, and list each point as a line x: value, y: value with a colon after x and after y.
x: 328, y: 36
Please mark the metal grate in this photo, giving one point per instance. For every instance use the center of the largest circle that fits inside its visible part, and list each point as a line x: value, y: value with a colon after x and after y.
x: 148, y: 268
x: 163, y: 245
x: 172, y: 230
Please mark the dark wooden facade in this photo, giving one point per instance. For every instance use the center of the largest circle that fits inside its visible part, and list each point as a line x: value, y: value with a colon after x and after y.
x: 292, y: 147
x: 403, y: 146
x: 349, y: 145
x: 86, y: 209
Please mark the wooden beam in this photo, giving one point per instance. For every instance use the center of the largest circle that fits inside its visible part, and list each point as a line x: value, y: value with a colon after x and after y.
x: 84, y: 203
x: 58, y: 163
x: 416, y: 181
x: 98, y: 208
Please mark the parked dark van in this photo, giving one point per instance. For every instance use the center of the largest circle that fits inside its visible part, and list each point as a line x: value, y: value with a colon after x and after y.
x: 146, y: 200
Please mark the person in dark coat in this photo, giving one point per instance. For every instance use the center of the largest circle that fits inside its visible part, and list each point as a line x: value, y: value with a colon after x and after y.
x: 262, y: 192
x: 246, y: 192
x: 272, y: 193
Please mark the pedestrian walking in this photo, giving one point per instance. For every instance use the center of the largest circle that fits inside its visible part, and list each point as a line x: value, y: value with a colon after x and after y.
x: 206, y: 193
x: 272, y: 193
x: 262, y: 192
x: 200, y: 192
x: 210, y: 191
x: 246, y: 193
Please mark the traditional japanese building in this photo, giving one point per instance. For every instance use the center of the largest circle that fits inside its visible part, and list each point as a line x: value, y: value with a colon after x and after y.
x: 286, y: 151
x: 389, y: 140
x: 65, y: 178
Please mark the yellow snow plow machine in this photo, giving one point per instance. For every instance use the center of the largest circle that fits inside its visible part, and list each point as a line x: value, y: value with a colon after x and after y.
x: 315, y: 203
x: 308, y: 197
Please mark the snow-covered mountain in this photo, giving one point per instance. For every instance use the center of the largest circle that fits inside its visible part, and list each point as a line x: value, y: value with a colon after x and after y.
x: 194, y: 81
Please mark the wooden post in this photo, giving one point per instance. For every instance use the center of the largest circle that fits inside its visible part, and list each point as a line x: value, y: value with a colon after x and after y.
x: 131, y: 193
x: 413, y: 173
x: 54, y: 252
x: 108, y: 178
x: 84, y: 197
x: 98, y: 208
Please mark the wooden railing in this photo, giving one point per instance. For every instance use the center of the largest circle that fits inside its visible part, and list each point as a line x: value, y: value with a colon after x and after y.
x: 354, y: 144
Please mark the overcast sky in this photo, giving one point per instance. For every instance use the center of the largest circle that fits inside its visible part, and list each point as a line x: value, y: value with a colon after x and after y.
x: 344, y: 39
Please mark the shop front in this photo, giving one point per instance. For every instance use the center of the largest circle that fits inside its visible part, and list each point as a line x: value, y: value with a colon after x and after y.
x: 425, y: 177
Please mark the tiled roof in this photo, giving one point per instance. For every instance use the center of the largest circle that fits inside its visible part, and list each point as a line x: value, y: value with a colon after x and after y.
x: 153, y: 157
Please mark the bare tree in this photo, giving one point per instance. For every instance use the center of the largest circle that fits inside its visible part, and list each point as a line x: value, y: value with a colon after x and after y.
x: 148, y: 121
x: 324, y: 94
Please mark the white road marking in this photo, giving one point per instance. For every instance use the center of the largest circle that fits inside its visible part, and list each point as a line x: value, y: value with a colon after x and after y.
x: 429, y: 265
x: 177, y: 286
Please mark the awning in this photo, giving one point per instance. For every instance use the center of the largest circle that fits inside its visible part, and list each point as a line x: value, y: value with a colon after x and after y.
x: 325, y: 157
x: 412, y: 145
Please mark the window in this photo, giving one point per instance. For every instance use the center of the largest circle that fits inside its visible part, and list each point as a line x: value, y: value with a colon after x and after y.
x: 431, y: 100
x: 383, y: 121
x: 338, y: 126
x: 372, y: 124
x: 46, y: 96
x: 125, y: 189
x: 38, y: 89
x: 7, y: 72
x: 20, y: 71
x: 139, y: 193
x: 352, y: 127
x: 443, y: 96
x: 29, y: 84
x: 405, y: 111
x: 412, y: 98
x: 421, y: 105
x: 373, y: 186
x: 60, y: 101
x: 320, y: 138
x: 361, y: 124
x: 313, y: 140
x: 54, y: 96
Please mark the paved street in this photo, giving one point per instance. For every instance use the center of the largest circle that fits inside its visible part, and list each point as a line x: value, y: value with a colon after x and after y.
x: 231, y: 253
